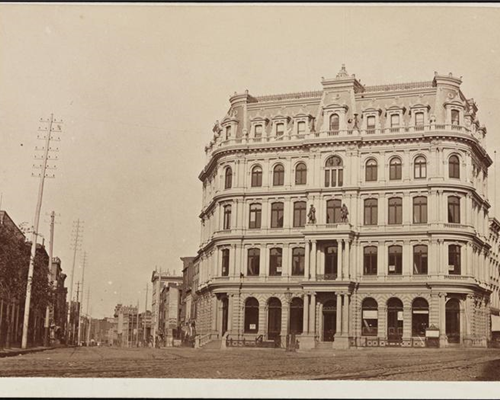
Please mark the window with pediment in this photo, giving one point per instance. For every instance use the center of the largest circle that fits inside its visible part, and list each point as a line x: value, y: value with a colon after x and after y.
x: 334, y: 122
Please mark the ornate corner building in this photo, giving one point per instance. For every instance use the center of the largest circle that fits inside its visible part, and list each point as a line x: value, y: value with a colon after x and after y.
x: 349, y: 216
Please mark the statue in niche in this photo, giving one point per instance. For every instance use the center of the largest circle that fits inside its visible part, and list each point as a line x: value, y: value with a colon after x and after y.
x: 355, y: 126
x: 344, y: 212
x: 217, y: 128
x: 312, y: 215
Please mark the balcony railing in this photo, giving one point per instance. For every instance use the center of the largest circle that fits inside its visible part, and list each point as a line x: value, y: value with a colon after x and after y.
x: 222, y: 142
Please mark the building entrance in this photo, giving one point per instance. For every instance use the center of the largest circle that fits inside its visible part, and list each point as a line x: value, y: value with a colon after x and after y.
x: 274, y: 319
x: 394, y: 319
x: 329, y: 320
x: 453, y: 321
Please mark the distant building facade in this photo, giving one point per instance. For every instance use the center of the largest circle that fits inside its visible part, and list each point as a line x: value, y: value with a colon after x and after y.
x: 158, y: 280
x: 126, y: 325
x: 354, y: 215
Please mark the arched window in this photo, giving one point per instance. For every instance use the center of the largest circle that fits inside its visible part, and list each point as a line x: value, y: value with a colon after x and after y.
x: 228, y: 178
x: 454, y: 209
x: 454, y: 167
x: 258, y: 131
x: 455, y: 117
x: 228, y: 132
x: 454, y: 256
x: 395, y: 211
x: 369, y: 319
x: 279, y: 175
x: 334, y: 172
x: 225, y: 262
x: 371, y: 211
x: 371, y: 169
x: 277, y: 215
x: 419, y: 119
x: 333, y: 211
x: 256, y: 176
x: 394, y: 319
x: 299, y: 214
x: 298, y: 261
x: 370, y: 260
x: 395, y: 260
x: 227, y: 217
x: 334, y: 122
x: 395, y: 167
x: 296, y: 315
x: 300, y: 174
x: 420, y: 168
x: 275, y: 262
x: 420, y: 259
x: 453, y: 320
x: 253, y: 267
x: 251, y: 315
x: 419, y: 317
x: 301, y: 128
x: 255, y: 216
x: 420, y: 210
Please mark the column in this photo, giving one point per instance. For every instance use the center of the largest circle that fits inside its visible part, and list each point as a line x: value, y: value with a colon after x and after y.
x: 339, y: 315
x: 347, y: 273
x: 382, y: 320
x: 339, y: 259
x: 262, y: 260
x: 312, y: 316
x: 442, y: 319
x: 314, y: 260
x: 407, y: 258
x: 345, y: 316
x: 265, y: 222
x: 306, y: 314
x: 407, y: 322
x: 214, y: 314
x: 407, y: 208
x: 285, y: 267
x: 287, y: 213
x: 381, y: 256
x: 306, y: 263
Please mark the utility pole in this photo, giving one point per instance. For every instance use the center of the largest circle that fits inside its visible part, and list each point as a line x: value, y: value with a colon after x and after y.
x: 89, y: 317
x: 80, y: 307
x: 76, y: 244
x: 145, y: 314
x: 46, y: 338
x: 74, y: 319
x: 43, y: 174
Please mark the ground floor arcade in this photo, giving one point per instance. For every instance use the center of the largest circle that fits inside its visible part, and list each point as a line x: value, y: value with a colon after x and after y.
x: 348, y: 317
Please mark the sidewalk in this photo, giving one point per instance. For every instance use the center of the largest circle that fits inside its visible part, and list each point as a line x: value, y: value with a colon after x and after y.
x: 15, y: 351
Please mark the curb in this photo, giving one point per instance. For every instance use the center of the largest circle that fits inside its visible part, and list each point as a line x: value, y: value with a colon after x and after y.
x: 24, y: 351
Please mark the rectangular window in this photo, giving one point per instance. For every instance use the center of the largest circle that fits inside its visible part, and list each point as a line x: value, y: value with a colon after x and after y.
x: 280, y: 129
x: 420, y: 260
x: 371, y: 212
x: 395, y: 260
x: 395, y: 211
x: 275, y: 262
x: 227, y: 217
x: 370, y: 122
x: 277, y: 215
x: 370, y: 260
x: 454, y: 210
x: 228, y: 132
x: 394, y: 121
x: 225, y: 262
x: 298, y: 262
x: 454, y: 267
x: 255, y: 216
x: 420, y: 210
x: 301, y: 128
x: 455, y: 117
x: 258, y: 131
x: 253, y: 267
x: 419, y: 119
x: 299, y: 214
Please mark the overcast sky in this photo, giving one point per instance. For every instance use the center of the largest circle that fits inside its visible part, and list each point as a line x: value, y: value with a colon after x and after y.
x: 139, y: 88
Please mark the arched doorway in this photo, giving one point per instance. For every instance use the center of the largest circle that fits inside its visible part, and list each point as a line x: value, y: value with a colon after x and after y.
x: 453, y: 320
x: 329, y: 320
x: 394, y: 319
x: 296, y: 315
x: 225, y: 312
x: 419, y: 317
x: 251, y: 315
x: 274, y: 318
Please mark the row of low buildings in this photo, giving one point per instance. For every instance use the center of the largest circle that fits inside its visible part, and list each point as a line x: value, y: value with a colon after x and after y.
x: 14, y: 260
x: 348, y: 216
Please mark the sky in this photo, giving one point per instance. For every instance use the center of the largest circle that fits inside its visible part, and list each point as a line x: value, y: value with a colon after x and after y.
x: 138, y: 88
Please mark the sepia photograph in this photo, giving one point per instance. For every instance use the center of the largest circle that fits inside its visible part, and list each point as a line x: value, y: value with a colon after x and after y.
x: 227, y: 200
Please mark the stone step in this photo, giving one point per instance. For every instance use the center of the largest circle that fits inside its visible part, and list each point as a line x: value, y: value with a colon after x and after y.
x: 213, y: 344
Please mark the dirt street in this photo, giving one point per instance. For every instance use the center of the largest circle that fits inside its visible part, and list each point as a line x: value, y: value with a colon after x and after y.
x: 354, y: 364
